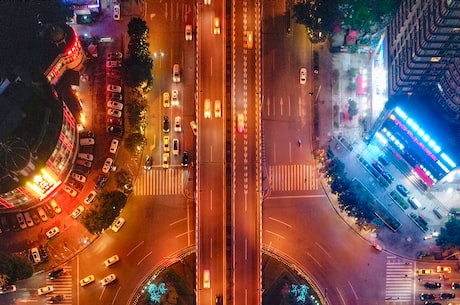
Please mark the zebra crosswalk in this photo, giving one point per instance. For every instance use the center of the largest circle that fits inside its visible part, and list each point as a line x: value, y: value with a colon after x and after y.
x: 62, y: 286
x: 159, y: 181
x: 399, y: 280
x: 293, y: 177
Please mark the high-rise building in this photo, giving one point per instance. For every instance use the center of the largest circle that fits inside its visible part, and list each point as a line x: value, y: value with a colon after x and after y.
x: 423, y: 52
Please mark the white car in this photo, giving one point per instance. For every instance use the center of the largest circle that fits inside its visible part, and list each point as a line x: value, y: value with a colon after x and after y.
x: 21, y: 221
x: 117, y: 224
x: 303, y: 76
x: 90, y: 197
x: 55, y: 206
x: 175, y: 146
x: 111, y: 260
x: 216, y: 26
x: 45, y: 290
x: 217, y: 109
x: 78, y: 177
x: 250, y: 39
x: 165, y: 160
x: 113, y: 88
x: 116, y: 12
x: 177, y: 124
x: 70, y: 191
x: 240, y: 125
x: 194, y: 127
x: 7, y: 289
x: 77, y: 212
x: 108, y: 279
x: 206, y: 279
x: 113, y: 112
x: 87, y: 157
x: 175, y: 98
x: 87, y: 280
x: 35, y: 255
x: 166, y: 144
x: 114, y: 146
x: 207, y: 2
x: 113, y: 64
x: 29, y: 221
x: 188, y: 32
x: 207, y: 109
x: 107, y: 165
x: 42, y: 214
x: 115, y: 105
x: 52, y: 232
x: 166, y: 99
x: 87, y: 141
x: 176, y: 73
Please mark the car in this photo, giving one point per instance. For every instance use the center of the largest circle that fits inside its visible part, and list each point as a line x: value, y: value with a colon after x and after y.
x: 29, y: 221
x: 56, y: 273
x: 77, y: 185
x: 87, y: 280
x: 117, y: 224
x: 432, y: 303
x: 443, y: 269
x: 176, y: 73
x: 424, y: 271
x: 87, y: 141
x: 77, y: 212
x: 165, y: 124
x: 402, y: 190
x: 316, y: 71
x: 52, y: 232
x: 115, y: 130
x: 303, y: 76
x: 84, y: 163
x: 70, y: 191
x: 45, y: 290
x: 114, y: 55
x: 148, y: 162
x: 166, y: 144
x: 78, y: 177
x: 101, y: 180
x: 447, y: 296
x: 114, y: 73
x: 116, y: 12
x: 432, y: 285
x: 165, y: 160
x: 249, y: 39
x: 455, y: 285
x: 113, y: 64
x: 49, y: 210
x: 115, y: 105
x: 207, y: 109
x: 108, y: 279
x: 217, y: 109
x: 188, y: 32
x: 382, y: 160
x: 56, y: 299
x: 43, y: 252
x: 240, y: 124
x: 21, y: 221
x: 111, y: 260
x: 175, y: 98
x: 7, y: 289
x: 6, y: 224
x: 41, y: 214
x: 114, y: 96
x: 378, y: 166
x: 206, y: 279
x: 377, y: 247
x: 388, y: 177
x: 216, y: 26
x: 115, y: 113
x: 177, y: 124
x: 35, y: 217
x: 166, y: 99
x: 114, y: 146
x: 14, y: 223
x: 194, y: 127
x: 113, y: 88
x: 107, y: 165
x: 90, y: 197
x: 55, y: 206
x: 207, y: 2
x: 35, y: 255
x: 175, y: 146
x: 184, y: 159
x: 426, y: 296
x: 85, y: 156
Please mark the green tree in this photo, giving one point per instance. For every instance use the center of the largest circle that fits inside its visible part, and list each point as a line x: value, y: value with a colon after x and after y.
x: 136, y: 114
x: 449, y: 236
x: 135, y: 142
x: 14, y: 268
x: 352, y: 108
x: 124, y: 181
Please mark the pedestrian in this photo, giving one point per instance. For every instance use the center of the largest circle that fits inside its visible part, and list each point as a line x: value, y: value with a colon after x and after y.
x: 299, y: 142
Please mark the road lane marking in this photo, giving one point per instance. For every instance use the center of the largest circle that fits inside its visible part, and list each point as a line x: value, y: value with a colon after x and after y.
x: 144, y: 258
x: 182, y: 234
x: 354, y: 292
x: 132, y: 250
x: 177, y: 221
x: 280, y: 236
x: 324, y: 250
x: 296, y: 197
x: 314, y: 259
x: 281, y: 222
x: 116, y: 294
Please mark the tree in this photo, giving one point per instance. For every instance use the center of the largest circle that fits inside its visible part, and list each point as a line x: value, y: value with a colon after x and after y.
x: 135, y: 142
x: 124, y: 181
x: 137, y: 28
x: 352, y: 108
x: 14, y: 268
x: 449, y: 236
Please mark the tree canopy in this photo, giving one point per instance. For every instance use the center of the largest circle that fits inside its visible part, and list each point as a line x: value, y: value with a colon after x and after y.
x: 449, y: 236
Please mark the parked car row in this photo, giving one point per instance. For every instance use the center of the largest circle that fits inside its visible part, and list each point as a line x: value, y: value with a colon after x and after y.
x: 114, y: 97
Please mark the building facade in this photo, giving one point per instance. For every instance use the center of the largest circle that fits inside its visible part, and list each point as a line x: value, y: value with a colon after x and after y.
x: 423, y: 48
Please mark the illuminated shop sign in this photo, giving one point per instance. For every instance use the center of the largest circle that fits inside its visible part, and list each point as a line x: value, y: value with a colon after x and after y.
x: 43, y: 184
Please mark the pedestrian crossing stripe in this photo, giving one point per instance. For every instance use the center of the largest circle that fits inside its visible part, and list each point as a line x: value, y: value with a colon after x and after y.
x: 160, y: 181
x: 399, y: 280
x: 293, y: 177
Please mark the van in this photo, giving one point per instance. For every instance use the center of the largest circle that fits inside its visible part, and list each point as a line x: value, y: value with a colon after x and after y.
x: 414, y: 202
